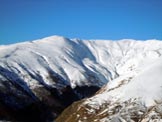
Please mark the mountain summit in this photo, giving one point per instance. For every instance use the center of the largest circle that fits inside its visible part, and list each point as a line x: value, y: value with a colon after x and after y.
x: 43, y: 77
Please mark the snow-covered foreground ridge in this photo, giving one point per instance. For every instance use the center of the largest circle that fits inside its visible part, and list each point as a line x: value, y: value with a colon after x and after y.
x: 41, y: 70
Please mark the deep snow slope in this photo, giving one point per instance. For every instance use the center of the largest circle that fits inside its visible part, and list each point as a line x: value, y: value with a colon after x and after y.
x: 78, y: 62
x: 55, y: 71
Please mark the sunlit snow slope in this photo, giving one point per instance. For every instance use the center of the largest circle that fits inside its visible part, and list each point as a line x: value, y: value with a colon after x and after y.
x: 57, y: 71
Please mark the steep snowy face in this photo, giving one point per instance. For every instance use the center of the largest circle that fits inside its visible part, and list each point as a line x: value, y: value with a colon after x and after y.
x: 78, y: 62
x: 56, y: 71
x: 72, y: 60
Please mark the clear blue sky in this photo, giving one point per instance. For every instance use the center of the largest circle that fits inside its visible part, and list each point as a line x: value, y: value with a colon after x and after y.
x: 23, y: 20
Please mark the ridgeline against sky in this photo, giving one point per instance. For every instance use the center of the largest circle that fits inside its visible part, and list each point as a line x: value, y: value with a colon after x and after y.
x: 23, y: 20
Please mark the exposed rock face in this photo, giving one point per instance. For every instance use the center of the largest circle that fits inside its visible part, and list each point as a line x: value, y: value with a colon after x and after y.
x: 39, y: 79
x: 128, y: 111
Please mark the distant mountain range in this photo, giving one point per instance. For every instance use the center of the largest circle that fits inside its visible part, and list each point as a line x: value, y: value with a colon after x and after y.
x: 112, y: 81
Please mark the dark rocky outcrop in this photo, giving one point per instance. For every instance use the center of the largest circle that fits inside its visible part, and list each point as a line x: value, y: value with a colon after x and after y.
x: 44, y: 107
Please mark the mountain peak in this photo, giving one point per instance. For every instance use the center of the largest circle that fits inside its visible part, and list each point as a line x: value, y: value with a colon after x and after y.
x: 56, y: 37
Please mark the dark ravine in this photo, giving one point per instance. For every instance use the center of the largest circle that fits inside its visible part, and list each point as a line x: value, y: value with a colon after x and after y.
x: 17, y: 106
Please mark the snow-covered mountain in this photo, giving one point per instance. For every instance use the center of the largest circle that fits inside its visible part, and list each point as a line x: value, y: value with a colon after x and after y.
x: 45, y: 76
